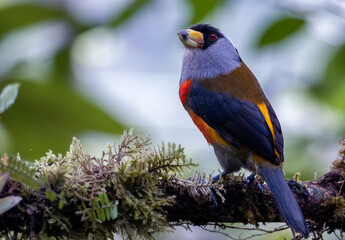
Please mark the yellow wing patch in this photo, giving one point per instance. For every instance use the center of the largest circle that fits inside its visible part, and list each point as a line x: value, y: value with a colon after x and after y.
x: 264, y: 111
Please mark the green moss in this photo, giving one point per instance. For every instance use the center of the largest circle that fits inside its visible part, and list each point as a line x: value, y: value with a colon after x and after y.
x: 339, y: 164
x: 335, y: 207
x: 339, y: 202
x: 131, y: 174
x: 20, y: 171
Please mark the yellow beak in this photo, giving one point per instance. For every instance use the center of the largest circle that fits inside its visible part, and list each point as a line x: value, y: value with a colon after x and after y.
x: 191, y: 38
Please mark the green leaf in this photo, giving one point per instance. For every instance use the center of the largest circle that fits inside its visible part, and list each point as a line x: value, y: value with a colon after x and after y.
x: 8, y: 96
x: 105, y: 211
x: 9, y: 202
x: 106, y: 205
x: 22, y: 15
x: 280, y: 30
x: 48, y: 116
x: 129, y: 12
x: 202, y: 8
x: 113, y: 211
x: 331, y: 87
x: 100, y: 212
x: 62, y: 200
x: 50, y: 195
x: 21, y: 171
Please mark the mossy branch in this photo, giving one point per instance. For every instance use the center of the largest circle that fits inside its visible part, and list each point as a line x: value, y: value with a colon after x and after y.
x: 134, y: 190
x: 322, y: 202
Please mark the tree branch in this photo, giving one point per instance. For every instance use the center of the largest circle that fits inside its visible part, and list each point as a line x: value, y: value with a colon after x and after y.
x: 321, y: 202
x: 73, y: 196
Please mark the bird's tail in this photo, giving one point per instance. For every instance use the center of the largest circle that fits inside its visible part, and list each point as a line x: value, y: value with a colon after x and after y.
x: 286, y: 202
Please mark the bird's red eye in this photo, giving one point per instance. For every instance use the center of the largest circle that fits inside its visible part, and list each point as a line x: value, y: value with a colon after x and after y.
x: 212, y: 36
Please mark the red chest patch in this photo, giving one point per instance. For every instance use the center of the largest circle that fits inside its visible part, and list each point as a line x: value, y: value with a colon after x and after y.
x: 184, y: 90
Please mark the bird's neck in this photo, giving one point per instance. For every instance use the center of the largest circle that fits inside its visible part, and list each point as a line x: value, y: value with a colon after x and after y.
x: 212, y: 62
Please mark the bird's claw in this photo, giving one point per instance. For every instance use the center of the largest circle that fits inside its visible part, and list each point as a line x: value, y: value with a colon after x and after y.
x: 214, y: 200
x: 299, y: 189
x: 251, y: 179
x: 215, y: 179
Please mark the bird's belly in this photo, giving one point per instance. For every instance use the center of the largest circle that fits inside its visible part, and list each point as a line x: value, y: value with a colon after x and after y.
x: 232, y: 158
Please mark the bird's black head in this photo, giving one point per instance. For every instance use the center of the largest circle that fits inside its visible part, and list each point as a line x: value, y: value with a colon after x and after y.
x: 208, y: 53
x: 210, y: 33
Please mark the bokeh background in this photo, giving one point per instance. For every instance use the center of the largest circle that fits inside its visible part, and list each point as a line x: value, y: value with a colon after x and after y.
x: 92, y: 68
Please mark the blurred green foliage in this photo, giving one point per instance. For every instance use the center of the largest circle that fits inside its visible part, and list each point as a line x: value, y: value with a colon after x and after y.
x: 46, y: 116
x: 202, y: 8
x: 331, y: 87
x: 129, y: 12
x: 49, y: 113
x: 22, y: 15
x: 279, y: 30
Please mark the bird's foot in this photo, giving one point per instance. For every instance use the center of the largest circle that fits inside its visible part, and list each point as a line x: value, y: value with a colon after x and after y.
x: 214, y: 200
x: 299, y: 189
x: 222, y: 174
x: 216, y: 179
x: 251, y: 179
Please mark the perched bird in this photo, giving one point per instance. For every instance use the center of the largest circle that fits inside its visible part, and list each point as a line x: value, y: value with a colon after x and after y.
x: 227, y: 104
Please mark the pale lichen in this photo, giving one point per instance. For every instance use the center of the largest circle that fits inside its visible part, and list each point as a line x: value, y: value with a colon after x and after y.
x: 339, y: 164
x: 132, y: 173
